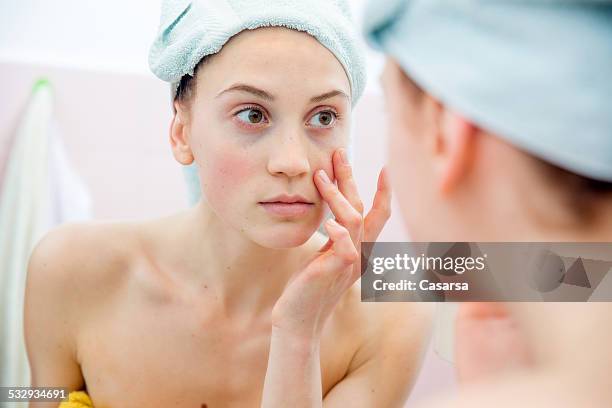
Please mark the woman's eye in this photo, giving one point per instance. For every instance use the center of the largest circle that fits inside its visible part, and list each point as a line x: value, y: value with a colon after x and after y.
x: 323, y: 119
x: 252, y: 116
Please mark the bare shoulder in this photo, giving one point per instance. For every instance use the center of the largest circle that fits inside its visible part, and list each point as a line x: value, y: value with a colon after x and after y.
x: 77, y: 268
x: 71, y: 268
x: 78, y: 257
x: 402, y: 328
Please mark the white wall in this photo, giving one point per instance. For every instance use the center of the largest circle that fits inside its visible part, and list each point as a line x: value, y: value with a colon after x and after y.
x: 110, y: 34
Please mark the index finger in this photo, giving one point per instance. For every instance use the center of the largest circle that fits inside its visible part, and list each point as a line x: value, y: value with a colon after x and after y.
x: 346, y: 182
x: 380, y: 212
x: 339, y: 205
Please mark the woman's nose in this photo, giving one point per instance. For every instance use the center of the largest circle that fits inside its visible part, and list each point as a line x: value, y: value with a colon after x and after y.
x: 289, y: 156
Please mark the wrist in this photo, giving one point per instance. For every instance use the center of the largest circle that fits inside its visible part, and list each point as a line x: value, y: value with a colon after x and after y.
x: 299, y: 328
x: 303, y: 341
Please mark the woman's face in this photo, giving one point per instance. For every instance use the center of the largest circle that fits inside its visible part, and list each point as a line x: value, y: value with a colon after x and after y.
x: 268, y: 112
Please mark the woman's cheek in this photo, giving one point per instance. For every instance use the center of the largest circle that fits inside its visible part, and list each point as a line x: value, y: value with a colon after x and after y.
x: 225, y: 172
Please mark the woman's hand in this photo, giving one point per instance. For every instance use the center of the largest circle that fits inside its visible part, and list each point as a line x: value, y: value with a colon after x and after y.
x: 312, y: 293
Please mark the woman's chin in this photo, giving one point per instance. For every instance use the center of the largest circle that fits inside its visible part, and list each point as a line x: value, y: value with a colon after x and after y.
x: 287, y: 235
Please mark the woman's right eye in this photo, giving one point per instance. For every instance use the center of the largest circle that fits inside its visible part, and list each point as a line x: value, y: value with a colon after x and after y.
x: 251, y: 116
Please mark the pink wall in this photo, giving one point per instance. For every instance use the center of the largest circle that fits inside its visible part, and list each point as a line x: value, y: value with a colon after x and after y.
x: 115, y: 128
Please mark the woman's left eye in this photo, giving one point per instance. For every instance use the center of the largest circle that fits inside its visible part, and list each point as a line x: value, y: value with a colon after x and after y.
x: 323, y: 119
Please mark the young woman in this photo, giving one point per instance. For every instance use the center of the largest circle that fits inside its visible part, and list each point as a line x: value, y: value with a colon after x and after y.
x: 237, y: 301
x: 500, y: 130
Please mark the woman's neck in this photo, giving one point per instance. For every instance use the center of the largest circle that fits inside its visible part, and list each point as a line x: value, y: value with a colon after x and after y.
x: 243, y: 276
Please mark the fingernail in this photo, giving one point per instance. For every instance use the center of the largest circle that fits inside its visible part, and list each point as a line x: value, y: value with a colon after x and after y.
x: 344, y: 156
x: 323, y: 177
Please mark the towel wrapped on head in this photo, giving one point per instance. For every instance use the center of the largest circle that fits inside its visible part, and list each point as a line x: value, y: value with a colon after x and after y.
x: 191, y: 30
x: 536, y: 73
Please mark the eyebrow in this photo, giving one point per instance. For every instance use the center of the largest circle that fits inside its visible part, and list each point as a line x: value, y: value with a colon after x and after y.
x: 249, y: 89
x: 268, y: 97
x: 328, y: 95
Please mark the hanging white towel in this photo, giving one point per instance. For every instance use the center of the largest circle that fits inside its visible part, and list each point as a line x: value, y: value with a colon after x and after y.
x: 41, y: 190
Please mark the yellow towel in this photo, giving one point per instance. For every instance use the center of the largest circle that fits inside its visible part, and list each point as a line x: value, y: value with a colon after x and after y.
x: 77, y: 399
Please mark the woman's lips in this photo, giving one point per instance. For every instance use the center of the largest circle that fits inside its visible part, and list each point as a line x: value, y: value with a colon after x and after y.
x: 287, y: 209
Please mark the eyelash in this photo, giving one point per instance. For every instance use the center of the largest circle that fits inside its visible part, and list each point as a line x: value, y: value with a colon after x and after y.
x: 331, y: 110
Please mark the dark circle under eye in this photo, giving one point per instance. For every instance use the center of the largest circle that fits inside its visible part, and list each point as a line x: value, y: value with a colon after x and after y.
x: 255, y: 116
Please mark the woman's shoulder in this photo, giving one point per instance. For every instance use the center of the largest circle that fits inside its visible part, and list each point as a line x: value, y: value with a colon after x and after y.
x: 381, y: 319
x: 72, y: 270
x: 77, y: 263
x: 78, y: 248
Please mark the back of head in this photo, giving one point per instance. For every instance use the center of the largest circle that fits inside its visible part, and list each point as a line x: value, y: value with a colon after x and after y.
x: 533, y: 73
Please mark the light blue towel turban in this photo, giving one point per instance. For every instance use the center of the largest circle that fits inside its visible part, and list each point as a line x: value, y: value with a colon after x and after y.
x: 191, y: 29
x: 537, y: 73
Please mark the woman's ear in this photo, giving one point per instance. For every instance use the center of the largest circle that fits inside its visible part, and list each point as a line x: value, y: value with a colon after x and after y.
x: 179, y: 136
x: 454, y: 148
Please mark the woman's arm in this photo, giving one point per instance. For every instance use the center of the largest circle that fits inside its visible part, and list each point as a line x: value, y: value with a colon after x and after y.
x: 381, y: 373
x: 49, y: 335
x: 293, y: 378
